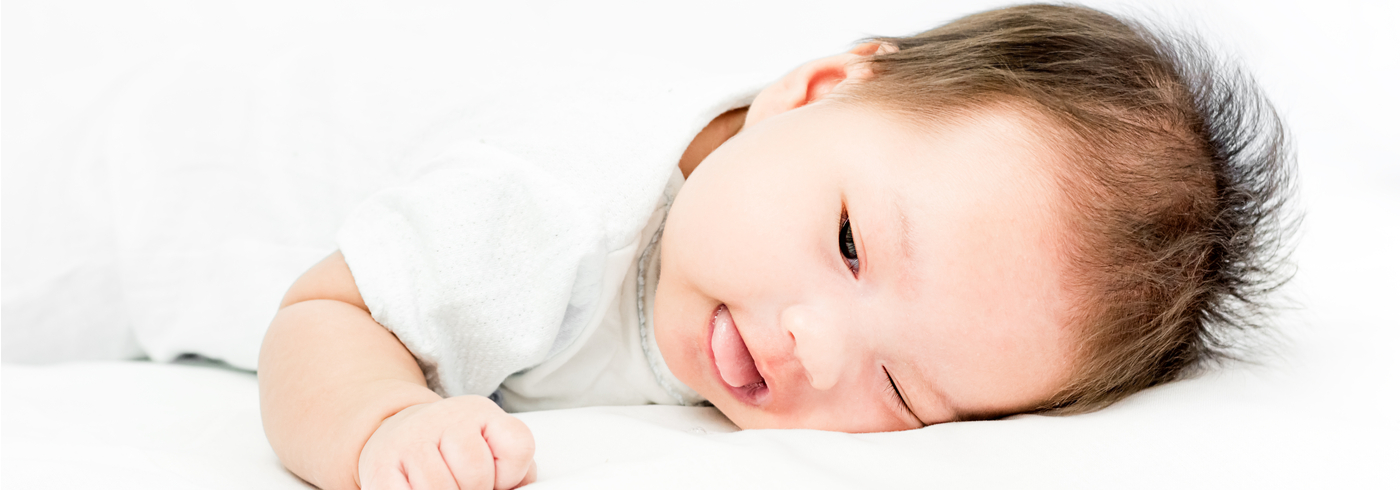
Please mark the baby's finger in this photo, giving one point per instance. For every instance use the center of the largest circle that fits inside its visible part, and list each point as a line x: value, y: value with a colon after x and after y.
x: 469, y: 458
x: 384, y: 476
x: 512, y: 446
x: 426, y: 469
x: 529, y: 475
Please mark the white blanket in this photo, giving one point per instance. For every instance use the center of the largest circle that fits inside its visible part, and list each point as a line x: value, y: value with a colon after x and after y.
x: 86, y: 256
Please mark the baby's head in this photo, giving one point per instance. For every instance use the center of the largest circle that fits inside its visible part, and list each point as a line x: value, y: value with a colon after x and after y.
x: 1039, y: 208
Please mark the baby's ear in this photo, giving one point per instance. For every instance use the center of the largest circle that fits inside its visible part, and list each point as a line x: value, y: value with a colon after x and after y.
x: 814, y: 81
x: 874, y: 48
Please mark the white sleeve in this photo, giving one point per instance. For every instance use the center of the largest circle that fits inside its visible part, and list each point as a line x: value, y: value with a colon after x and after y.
x: 483, y: 267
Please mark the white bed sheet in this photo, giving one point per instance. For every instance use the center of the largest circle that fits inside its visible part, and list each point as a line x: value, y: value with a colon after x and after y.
x: 163, y: 426
x: 1317, y: 413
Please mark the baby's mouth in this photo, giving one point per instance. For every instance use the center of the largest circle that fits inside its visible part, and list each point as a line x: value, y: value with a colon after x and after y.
x: 732, y: 357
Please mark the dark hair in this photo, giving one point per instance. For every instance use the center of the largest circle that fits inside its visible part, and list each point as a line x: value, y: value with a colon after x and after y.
x: 1177, y: 177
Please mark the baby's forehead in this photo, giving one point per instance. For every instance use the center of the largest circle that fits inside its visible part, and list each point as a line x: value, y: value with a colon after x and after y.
x: 1021, y: 141
x: 982, y: 161
x: 962, y: 204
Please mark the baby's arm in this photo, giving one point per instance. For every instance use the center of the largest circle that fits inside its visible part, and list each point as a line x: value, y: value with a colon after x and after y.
x: 344, y: 404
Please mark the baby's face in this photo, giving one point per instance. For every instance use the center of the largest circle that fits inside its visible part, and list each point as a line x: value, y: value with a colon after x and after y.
x: 830, y: 251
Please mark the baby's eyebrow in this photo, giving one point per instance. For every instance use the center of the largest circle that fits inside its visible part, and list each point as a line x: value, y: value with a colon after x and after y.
x: 906, y: 247
x: 901, y: 260
x: 955, y: 414
x: 907, y: 390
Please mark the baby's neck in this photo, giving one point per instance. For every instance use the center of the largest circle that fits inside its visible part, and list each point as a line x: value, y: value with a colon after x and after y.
x: 719, y: 130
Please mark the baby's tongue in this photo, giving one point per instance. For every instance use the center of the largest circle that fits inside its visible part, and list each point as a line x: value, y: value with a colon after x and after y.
x: 731, y: 355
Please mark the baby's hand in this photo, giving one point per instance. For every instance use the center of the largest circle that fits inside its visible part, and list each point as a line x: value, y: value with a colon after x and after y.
x: 463, y: 442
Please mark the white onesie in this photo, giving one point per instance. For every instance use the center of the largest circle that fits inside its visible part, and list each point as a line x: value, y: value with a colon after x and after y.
x: 520, y: 267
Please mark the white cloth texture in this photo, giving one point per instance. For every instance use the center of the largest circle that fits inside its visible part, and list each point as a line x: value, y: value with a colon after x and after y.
x: 514, y: 267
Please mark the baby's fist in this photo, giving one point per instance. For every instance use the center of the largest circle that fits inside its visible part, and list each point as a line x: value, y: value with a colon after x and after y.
x: 458, y: 443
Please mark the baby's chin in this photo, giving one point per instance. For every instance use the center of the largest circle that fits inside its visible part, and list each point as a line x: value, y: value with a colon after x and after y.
x: 740, y: 418
x: 749, y: 418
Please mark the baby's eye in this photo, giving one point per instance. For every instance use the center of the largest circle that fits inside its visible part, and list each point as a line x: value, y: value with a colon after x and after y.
x: 847, y: 241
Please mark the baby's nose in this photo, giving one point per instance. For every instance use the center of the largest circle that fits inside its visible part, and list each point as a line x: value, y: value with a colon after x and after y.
x: 820, y: 343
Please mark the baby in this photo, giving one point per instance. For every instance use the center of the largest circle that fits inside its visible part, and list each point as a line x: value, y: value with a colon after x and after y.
x: 1032, y: 209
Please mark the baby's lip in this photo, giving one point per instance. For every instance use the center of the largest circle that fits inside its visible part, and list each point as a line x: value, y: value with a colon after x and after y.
x: 734, y: 363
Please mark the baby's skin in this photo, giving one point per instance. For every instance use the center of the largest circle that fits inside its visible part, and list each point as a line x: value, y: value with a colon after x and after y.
x: 829, y: 266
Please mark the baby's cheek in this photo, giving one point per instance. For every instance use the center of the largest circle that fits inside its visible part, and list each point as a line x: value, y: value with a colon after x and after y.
x: 678, y: 347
